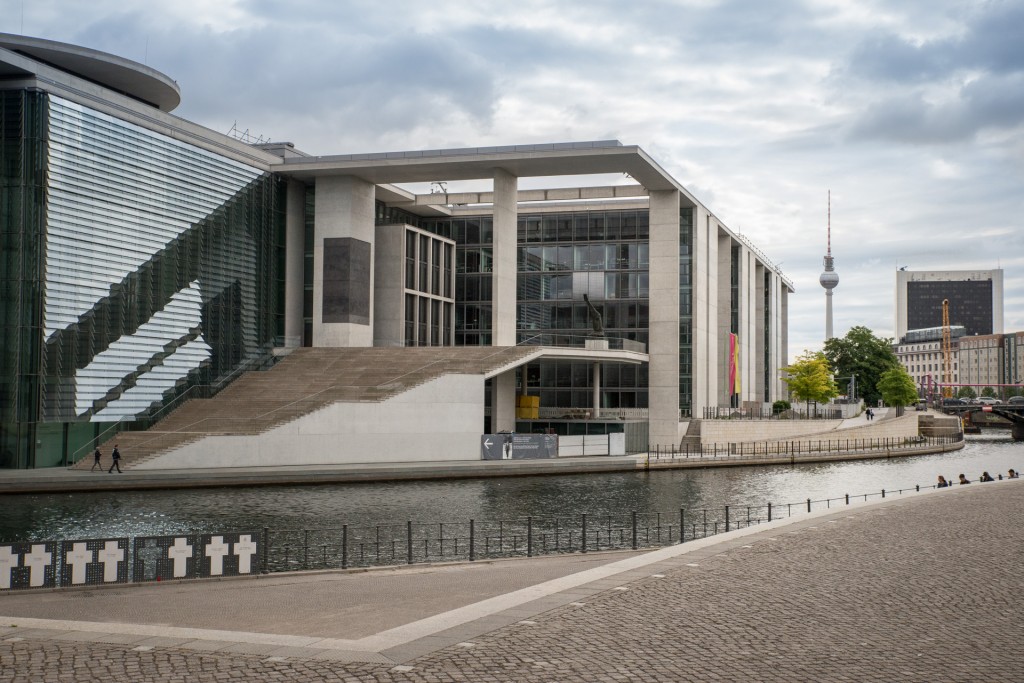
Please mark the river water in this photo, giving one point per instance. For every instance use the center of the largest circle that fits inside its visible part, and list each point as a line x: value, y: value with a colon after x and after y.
x: 150, y: 513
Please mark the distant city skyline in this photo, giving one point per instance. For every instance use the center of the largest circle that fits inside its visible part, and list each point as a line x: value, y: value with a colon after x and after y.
x: 911, y: 113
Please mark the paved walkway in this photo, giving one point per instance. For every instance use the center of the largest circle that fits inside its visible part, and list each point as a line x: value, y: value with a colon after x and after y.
x: 923, y: 587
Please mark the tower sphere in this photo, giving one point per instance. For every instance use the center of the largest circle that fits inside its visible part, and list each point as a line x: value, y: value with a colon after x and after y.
x: 829, y: 279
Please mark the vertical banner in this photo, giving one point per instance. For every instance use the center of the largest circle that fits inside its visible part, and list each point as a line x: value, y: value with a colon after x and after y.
x: 734, y: 364
x: 94, y: 561
x: 28, y: 565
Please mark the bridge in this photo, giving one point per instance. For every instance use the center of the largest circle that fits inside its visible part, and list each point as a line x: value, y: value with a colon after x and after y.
x: 1013, y: 413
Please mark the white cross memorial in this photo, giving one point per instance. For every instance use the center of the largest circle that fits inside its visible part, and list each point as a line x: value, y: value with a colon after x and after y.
x: 216, y: 549
x: 245, y: 549
x: 38, y: 560
x: 180, y: 553
x: 8, y: 561
x: 78, y: 558
x: 110, y: 556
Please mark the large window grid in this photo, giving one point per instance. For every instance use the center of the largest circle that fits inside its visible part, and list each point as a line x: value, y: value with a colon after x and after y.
x: 561, y: 257
x: 685, y: 309
x: 429, y: 306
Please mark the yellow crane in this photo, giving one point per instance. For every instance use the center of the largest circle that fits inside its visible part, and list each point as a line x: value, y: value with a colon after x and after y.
x: 947, y: 353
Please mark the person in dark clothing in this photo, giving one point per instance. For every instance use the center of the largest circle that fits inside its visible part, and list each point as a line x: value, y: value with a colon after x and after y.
x: 985, y: 476
x: 96, y: 460
x: 1011, y: 475
x: 116, y: 455
x: 964, y: 480
x: 942, y: 483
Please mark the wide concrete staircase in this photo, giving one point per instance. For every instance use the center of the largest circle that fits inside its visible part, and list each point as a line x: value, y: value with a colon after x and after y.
x: 305, y: 381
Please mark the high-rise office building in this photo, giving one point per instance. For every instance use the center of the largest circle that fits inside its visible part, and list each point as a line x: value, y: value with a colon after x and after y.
x: 975, y: 300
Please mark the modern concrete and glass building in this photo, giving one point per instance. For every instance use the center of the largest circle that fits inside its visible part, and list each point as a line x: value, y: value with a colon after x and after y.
x: 975, y: 300
x: 146, y: 259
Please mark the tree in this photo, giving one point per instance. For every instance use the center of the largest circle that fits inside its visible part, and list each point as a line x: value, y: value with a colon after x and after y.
x: 988, y: 391
x: 810, y: 378
x: 897, y: 387
x: 862, y: 355
x: 966, y: 392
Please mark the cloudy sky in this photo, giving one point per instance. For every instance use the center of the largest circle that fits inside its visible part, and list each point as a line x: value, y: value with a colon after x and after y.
x: 911, y: 112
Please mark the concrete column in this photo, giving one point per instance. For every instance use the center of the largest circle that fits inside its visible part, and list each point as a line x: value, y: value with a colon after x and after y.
x: 597, y: 391
x: 294, y: 245
x: 719, y: 344
x: 389, y: 285
x: 663, y: 348
x: 748, y: 326
x: 705, y: 311
x: 343, y: 262
x: 503, y: 274
x: 503, y: 402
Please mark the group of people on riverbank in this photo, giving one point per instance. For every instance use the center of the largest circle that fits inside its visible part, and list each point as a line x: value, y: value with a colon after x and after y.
x: 985, y: 476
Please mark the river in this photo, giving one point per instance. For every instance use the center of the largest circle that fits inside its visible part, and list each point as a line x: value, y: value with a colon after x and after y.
x: 150, y: 513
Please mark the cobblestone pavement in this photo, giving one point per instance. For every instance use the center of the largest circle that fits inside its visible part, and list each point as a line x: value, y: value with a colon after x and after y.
x: 916, y: 589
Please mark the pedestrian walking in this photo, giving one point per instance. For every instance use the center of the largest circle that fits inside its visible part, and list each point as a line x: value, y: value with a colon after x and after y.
x: 96, y: 460
x: 116, y: 455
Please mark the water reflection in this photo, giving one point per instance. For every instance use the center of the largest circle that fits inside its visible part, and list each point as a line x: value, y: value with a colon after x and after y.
x: 138, y: 513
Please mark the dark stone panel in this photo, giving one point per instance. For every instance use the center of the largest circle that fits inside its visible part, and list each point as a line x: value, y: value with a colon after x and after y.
x: 346, y: 296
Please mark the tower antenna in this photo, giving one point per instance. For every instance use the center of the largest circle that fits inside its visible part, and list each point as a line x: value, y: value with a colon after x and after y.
x: 829, y: 279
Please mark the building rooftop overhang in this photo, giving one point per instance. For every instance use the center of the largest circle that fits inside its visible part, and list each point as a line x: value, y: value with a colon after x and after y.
x: 121, y: 75
x: 523, y: 161
x: 578, y: 354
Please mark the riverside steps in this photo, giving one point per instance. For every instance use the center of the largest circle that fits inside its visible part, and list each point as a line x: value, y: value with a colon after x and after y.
x: 919, y: 587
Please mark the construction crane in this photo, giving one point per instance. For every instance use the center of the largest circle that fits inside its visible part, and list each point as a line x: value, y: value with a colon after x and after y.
x: 947, y: 353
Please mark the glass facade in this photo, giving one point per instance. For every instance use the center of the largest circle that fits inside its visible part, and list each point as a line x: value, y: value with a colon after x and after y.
x: 685, y: 310
x: 562, y: 257
x: 159, y: 268
x: 970, y: 304
x: 767, y: 378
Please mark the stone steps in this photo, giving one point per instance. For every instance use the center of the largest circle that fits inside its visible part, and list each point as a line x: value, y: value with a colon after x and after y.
x: 303, y: 382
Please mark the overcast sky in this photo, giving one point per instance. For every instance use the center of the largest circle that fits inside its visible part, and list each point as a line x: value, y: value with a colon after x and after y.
x: 909, y: 111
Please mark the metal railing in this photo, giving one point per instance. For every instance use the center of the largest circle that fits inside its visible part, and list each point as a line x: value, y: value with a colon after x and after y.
x: 801, y: 447
x: 767, y: 413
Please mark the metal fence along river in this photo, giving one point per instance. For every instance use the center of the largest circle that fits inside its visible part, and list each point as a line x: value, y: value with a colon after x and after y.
x: 48, y: 564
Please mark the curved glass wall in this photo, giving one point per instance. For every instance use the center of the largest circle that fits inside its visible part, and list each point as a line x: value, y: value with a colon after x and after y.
x: 161, y: 268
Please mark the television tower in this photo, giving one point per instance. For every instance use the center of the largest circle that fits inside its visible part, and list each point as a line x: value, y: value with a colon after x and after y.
x: 829, y: 279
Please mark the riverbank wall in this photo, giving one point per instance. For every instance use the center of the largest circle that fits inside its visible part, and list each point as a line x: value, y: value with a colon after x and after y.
x: 63, y: 480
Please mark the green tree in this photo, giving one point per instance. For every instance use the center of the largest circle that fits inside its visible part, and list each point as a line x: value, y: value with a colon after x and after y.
x: 988, y: 391
x: 810, y: 378
x: 966, y: 392
x: 897, y: 387
x: 862, y: 355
